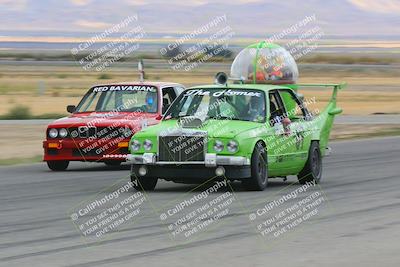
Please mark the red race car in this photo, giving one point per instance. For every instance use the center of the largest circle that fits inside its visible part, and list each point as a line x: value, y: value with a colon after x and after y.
x: 100, y: 127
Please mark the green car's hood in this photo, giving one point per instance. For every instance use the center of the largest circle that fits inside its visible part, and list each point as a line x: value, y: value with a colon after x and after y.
x: 214, y: 128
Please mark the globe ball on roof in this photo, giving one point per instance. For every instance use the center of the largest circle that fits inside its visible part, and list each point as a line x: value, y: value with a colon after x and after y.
x: 265, y: 63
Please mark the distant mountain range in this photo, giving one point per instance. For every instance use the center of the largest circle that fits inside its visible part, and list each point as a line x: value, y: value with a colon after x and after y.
x: 245, y: 17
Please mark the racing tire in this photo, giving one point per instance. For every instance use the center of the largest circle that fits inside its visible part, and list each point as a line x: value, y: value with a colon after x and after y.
x: 144, y: 183
x: 259, y: 170
x: 58, y: 165
x: 312, y: 171
x: 113, y: 163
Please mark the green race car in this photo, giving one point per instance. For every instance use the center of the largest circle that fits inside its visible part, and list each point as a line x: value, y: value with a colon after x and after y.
x: 248, y: 131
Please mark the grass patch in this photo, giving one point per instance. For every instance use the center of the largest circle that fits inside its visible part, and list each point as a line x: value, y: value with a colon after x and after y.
x: 14, y: 88
x: 349, y: 59
x: 62, y: 76
x: 394, y: 131
x: 15, y: 161
x: 24, y: 113
x: 49, y: 116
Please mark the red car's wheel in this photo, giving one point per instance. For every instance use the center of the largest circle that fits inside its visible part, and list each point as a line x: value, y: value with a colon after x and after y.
x: 112, y: 163
x: 58, y: 165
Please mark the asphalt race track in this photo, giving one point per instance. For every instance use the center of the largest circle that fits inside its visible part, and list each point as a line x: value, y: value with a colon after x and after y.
x: 357, y: 224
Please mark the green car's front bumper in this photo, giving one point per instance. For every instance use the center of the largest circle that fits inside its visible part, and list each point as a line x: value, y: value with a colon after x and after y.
x: 231, y: 167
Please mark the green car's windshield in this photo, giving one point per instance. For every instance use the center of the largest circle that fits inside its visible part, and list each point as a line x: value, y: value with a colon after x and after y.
x: 121, y: 98
x: 233, y: 104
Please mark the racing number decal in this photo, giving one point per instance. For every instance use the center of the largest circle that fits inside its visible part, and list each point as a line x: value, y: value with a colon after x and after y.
x: 299, y: 136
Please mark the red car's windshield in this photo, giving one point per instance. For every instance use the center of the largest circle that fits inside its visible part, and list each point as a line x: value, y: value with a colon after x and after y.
x: 122, y: 98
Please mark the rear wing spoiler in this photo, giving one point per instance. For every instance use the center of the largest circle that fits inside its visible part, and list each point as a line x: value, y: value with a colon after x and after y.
x: 336, y: 87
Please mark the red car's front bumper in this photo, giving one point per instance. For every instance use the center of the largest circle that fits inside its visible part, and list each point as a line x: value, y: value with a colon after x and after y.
x: 85, y: 150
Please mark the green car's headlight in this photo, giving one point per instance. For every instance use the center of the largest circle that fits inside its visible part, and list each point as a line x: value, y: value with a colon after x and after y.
x: 218, y: 146
x: 147, y: 144
x: 53, y: 133
x: 135, y: 145
x: 232, y: 146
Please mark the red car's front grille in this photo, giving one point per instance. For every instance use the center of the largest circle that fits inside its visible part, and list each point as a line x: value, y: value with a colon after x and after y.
x: 99, y: 132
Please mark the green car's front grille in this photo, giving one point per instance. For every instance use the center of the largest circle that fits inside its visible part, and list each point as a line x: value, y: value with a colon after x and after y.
x: 181, y: 148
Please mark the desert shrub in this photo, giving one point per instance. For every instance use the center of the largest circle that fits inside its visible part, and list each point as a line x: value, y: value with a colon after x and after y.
x: 105, y: 76
x: 18, y: 113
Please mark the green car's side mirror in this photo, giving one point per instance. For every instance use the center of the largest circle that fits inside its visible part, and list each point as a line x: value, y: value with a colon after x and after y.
x: 335, y: 111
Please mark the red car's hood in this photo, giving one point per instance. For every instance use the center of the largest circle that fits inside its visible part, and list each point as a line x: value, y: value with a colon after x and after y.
x: 104, y: 119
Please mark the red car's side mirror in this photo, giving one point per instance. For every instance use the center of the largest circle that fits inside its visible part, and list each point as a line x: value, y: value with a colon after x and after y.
x: 71, y: 108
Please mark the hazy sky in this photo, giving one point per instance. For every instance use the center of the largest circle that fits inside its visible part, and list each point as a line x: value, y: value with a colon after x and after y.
x: 348, y: 17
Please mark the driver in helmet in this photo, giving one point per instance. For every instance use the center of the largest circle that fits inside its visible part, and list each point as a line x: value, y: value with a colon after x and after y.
x: 256, y: 109
x: 151, y: 103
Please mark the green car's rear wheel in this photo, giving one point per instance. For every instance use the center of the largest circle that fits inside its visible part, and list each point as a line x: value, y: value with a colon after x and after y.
x: 58, y: 165
x: 312, y: 171
x: 259, y: 170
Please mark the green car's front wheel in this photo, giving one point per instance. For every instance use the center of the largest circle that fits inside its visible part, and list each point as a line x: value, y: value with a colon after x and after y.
x: 144, y: 183
x: 259, y: 170
x: 312, y: 171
